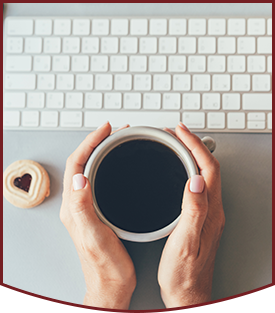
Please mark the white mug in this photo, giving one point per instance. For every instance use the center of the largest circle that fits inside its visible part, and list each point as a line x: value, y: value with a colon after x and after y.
x: 135, y: 133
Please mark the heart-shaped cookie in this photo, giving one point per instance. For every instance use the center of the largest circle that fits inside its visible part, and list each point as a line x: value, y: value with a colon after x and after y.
x: 26, y: 184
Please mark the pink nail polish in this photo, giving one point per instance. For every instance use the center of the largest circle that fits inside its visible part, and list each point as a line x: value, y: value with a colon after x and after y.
x: 102, y: 125
x: 79, y: 181
x: 183, y: 126
x: 197, y: 184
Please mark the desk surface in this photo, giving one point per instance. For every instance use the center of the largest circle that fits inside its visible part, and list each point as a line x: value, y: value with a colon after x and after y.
x: 39, y: 255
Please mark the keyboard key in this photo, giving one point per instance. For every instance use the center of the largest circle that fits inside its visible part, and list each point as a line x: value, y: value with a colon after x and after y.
x: 157, y: 63
x: 55, y: 100
x: 20, y: 27
x: 201, y: 82
x: 142, y: 82
x: 33, y: 45
x: 71, y: 119
x: 80, y: 63
x: 93, y: 100
x: 45, y: 82
x: 99, y: 63
x: 264, y: 45
x: 129, y: 45
x: 123, y: 82
x: 216, y: 64
x: 81, y: 27
x: 269, y: 120
x: 43, y: 27
x: 241, y: 82
x: 158, y: 26
x: 231, y: 101
x: 65, y: 82
x: 74, y: 100
x: 171, y: 101
x: 162, y: 82
x: 167, y: 45
x: 151, y: 101
x: 119, y: 27
x: 135, y: 118
x: 20, y: 82
x: 246, y: 45
x: 194, y: 119
x: 36, y: 100
x: 236, y: 64
x: 11, y: 118
x: 191, y: 101
x: 103, y: 82
x: 177, y: 64
x: 109, y: 45
x: 132, y: 101
x: 118, y: 63
x: 221, y: 82
x: 216, y: 120
x: 256, y: 26
x: 216, y: 26
x: 100, y: 27
x: 207, y: 45
x: 256, y: 64
x: 187, y: 45
x: 139, y: 27
x: 14, y: 45
x: 226, y: 45
x: 148, y: 45
x: 18, y: 63
x: 177, y: 26
x: 256, y: 116
x: 197, y: 26
x: 255, y: 125
x: 52, y: 45
x: 196, y: 64
x: 71, y: 45
x: 235, y: 120
x: 181, y: 82
x: 42, y: 63
x: 211, y: 101
x: 257, y: 101
x: 269, y: 64
x: 261, y: 82
x: 30, y: 119
x: 49, y: 119
x: 90, y: 45
x: 138, y: 63
x: 14, y: 100
x: 61, y: 63
x: 62, y: 27
x: 236, y: 26
x: 269, y: 26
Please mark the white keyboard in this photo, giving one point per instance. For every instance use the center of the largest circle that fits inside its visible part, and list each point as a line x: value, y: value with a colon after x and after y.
x: 72, y: 73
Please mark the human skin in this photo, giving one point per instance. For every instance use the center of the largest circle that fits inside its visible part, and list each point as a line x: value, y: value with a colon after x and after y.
x: 187, y: 263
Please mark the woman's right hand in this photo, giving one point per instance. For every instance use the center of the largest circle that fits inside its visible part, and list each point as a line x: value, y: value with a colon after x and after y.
x: 187, y: 261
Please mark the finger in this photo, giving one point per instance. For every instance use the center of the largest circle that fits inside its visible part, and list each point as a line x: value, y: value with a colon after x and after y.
x: 193, y: 215
x: 170, y: 131
x: 78, y: 159
x: 120, y: 128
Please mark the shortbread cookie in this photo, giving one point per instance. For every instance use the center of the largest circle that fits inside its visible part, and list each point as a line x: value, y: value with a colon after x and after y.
x: 26, y: 184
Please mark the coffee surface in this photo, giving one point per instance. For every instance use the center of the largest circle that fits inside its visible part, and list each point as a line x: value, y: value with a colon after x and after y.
x: 139, y: 186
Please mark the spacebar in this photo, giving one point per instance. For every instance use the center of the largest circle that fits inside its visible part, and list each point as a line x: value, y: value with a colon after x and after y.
x: 118, y: 119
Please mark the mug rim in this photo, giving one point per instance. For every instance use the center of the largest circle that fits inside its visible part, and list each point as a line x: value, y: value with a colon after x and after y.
x: 138, y: 133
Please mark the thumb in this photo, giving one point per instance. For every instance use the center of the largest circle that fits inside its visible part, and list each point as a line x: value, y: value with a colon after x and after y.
x: 194, y: 212
x: 81, y: 202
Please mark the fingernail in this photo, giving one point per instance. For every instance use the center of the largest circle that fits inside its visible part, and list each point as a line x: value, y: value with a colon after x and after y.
x: 79, y: 181
x: 183, y: 126
x: 102, y: 125
x: 197, y: 184
x: 123, y: 126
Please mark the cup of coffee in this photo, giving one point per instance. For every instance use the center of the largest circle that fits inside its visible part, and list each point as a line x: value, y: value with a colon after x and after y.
x: 137, y: 177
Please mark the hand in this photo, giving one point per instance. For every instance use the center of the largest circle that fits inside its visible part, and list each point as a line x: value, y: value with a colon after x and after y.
x: 108, y: 269
x: 187, y: 262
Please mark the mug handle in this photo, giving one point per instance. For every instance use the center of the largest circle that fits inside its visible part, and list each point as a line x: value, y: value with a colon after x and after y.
x: 210, y: 143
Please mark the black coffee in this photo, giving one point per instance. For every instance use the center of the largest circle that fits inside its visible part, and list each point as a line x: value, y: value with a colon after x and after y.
x: 139, y: 186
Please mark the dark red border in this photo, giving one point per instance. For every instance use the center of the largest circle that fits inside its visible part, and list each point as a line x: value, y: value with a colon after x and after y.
x: 16, y: 300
